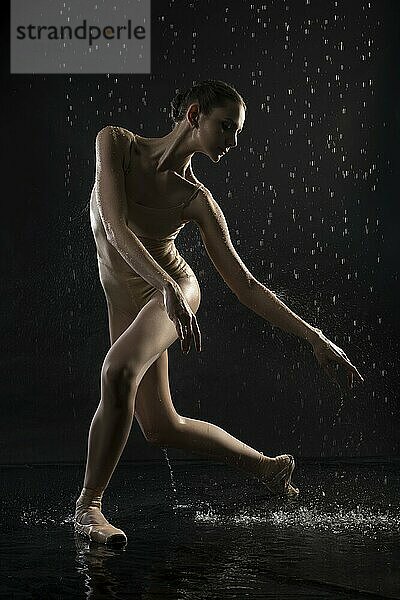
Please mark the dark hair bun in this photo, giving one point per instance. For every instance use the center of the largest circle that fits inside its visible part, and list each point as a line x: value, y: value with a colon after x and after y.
x: 176, y: 105
x: 208, y: 94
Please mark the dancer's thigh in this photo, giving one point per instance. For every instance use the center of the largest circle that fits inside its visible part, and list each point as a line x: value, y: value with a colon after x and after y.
x: 150, y: 333
x: 154, y: 408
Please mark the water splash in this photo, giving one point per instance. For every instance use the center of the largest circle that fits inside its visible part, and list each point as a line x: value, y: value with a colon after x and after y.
x: 338, y: 519
x: 35, y: 516
x: 335, y: 519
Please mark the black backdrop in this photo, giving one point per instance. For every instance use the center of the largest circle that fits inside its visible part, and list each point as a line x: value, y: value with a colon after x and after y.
x: 310, y: 196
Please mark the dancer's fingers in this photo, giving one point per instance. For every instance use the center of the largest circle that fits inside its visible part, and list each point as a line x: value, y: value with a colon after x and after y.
x: 346, y: 362
x: 196, y: 333
x: 179, y: 329
x: 185, y: 343
x: 357, y: 373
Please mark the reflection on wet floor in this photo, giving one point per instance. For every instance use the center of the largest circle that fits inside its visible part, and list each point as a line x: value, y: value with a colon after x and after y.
x: 204, y: 530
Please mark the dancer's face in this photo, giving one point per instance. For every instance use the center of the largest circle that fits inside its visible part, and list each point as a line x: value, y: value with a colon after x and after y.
x: 217, y: 132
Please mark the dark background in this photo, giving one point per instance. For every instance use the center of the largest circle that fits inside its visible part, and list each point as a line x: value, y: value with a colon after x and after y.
x: 310, y: 196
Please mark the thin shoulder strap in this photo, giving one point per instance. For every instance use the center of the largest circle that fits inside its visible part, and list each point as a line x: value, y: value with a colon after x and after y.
x: 194, y: 194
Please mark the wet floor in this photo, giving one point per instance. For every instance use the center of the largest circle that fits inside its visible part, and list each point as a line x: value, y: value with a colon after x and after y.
x: 204, y: 530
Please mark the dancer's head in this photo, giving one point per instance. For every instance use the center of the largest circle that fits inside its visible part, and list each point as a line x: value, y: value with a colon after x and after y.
x: 215, y: 111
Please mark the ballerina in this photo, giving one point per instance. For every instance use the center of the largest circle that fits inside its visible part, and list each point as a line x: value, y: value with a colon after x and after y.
x: 144, y: 193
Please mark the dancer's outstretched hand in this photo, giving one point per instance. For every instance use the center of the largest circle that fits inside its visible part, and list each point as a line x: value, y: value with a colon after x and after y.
x: 335, y: 363
x: 183, y: 318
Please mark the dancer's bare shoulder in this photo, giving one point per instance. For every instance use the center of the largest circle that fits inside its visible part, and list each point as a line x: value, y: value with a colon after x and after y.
x: 113, y: 142
x: 202, y: 207
x: 189, y: 184
x: 120, y: 134
x: 205, y: 211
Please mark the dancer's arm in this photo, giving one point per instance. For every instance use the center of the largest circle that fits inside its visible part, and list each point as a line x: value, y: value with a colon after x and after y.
x: 111, y: 145
x: 214, y: 232
x: 205, y: 211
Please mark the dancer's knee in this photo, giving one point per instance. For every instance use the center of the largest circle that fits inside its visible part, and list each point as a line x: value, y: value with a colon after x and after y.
x: 192, y: 293
x: 119, y: 383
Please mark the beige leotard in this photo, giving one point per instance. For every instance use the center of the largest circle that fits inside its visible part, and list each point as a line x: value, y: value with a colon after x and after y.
x: 157, y: 229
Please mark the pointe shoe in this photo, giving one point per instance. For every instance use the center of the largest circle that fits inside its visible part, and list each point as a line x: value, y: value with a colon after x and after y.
x: 90, y: 521
x: 279, y: 484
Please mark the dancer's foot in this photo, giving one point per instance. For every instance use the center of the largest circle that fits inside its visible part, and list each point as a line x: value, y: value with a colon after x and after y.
x: 277, y: 476
x: 90, y: 521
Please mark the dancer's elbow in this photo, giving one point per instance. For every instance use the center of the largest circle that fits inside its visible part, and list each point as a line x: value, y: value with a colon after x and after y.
x: 114, y: 233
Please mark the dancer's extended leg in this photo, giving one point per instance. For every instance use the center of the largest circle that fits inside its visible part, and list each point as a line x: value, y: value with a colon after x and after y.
x: 164, y: 427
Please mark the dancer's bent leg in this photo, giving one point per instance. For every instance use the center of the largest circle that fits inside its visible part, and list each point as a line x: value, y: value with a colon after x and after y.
x: 125, y: 365
x: 162, y: 426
